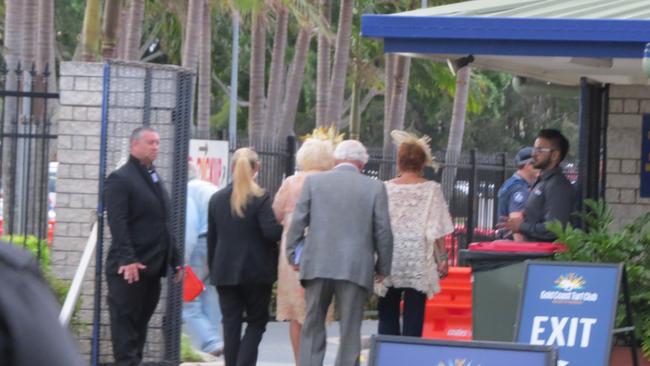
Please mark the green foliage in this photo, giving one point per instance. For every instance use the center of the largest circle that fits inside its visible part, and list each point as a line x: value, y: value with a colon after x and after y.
x: 59, y: 287
x: 630, y: 245
x: 32, y: 244
x: 187, y: 352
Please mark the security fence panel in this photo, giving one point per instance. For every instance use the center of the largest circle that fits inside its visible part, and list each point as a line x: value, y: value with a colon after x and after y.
x: 159, y: 96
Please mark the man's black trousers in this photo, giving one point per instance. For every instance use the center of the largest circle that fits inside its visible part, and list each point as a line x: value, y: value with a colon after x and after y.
x: 130, y: 307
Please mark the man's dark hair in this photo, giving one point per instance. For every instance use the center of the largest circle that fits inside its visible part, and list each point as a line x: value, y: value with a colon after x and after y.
x: 557, y: 139
x: 136, y: 134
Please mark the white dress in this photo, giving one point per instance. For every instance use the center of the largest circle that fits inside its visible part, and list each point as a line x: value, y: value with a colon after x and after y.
x: 418, y: 215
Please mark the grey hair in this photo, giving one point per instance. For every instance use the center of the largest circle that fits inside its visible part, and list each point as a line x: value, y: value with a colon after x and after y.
x: 137, y: 133
x: 351, y: 150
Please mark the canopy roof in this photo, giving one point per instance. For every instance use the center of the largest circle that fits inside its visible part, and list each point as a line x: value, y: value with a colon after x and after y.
x: 554, y: 40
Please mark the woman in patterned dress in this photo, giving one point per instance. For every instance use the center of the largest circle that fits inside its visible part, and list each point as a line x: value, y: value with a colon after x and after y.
x: 419, y: 219
x: 313, y: 156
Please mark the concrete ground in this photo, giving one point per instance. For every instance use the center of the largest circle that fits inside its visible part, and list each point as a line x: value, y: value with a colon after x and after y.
x: 275, y: 349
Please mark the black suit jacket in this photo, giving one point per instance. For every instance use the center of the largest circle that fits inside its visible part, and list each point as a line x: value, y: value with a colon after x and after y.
x: 242, y: 250
x: 137, y: 211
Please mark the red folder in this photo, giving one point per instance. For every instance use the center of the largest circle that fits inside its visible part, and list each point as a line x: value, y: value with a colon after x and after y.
x: 192, y: 285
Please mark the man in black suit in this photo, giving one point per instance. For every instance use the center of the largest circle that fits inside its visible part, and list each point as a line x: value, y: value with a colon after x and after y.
x: 142, y: 249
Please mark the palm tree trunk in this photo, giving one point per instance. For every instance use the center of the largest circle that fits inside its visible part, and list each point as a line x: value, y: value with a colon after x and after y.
x: 134, y: 30
x: 256, y: 86
x: 275, y: 90
x: 456, y: 130
x: 28, y: 29
x: 390, y: 61
x: 109, y: 28
x: 12, y: 49
x: 336, y: 90
x: 402, y: 71
x: 205, y: 74
x: 192, y: 32
x: 120, y: 52
x: 323, y: 65
x: 91, y: 30
x: 295, y: 77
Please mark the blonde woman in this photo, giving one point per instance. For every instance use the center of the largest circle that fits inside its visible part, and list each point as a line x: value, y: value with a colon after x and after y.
x: 242, y: 249
x: 313, y: 156
x: 419, y: 218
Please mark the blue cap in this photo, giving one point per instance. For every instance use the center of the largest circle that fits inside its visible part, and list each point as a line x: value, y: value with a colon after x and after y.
x: 524, y: 156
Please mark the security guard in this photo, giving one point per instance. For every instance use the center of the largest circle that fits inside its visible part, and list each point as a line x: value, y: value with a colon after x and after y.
x: 552, y: 197
x: 514, y: 191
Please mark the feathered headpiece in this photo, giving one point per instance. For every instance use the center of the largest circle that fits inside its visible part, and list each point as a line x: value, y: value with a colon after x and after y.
x: 402, y: 137
x: 325, y: 134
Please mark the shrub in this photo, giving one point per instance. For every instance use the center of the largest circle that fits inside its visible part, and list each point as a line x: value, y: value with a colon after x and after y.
x: 630, y: 245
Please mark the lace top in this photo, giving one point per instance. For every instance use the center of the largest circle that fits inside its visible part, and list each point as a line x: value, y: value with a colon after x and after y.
x: 418, y: 216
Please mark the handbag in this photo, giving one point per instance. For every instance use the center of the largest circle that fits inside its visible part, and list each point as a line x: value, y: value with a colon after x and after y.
x: 192, y: 285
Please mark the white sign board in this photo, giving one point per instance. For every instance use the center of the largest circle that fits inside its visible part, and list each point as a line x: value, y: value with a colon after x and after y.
x: 211, y: 159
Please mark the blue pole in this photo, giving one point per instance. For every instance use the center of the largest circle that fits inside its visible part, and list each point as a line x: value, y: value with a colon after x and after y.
x: 100, y: 218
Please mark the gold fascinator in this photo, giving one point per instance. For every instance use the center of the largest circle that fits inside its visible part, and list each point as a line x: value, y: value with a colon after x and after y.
x: 402, y: 137
x: 325, y: 133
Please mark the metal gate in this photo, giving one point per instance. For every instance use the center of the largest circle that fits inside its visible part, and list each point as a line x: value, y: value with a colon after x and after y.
x: 26, y: 185
x: 159, y: 96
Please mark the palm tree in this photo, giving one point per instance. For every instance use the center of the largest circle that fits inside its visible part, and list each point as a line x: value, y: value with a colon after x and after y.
x: 323, y: 64
x: 12, y: 45
x: 336, y: 88
x: 193, y: 27
x: 256, y: 87
x: 28, y: 29
x: 456, y: 130
x: 397, y: 77
x: 276, y: 73
x: 91, y: 30
x: 295, y: 78
x: 205, y: 73
x: 133, y: 30
x: 112, y: 10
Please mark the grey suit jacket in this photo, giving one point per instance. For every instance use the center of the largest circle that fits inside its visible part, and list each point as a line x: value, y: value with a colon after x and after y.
x: 349, y: 236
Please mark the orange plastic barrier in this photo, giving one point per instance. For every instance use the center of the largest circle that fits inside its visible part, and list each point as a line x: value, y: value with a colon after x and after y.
x: 449, y: 314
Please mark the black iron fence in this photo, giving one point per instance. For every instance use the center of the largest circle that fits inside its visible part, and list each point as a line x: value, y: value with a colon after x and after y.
x: 26, y: 138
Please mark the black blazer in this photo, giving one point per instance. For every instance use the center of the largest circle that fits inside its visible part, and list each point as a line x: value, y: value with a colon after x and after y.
x: 137, y: 211
x: 242, y: 250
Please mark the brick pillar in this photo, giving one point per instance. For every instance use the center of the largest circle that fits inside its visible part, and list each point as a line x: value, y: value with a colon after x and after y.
x: 81, y: 86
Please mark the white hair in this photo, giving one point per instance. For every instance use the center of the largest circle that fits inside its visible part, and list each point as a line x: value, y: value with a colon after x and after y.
x: 315, y: 154
x: 351, y: 150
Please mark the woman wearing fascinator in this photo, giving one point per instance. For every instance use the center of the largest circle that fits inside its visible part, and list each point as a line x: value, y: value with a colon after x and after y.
x: 419, y: 219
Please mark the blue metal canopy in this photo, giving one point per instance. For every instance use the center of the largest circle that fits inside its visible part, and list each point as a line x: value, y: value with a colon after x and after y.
x: 509, y: 36
x: 524, y: 37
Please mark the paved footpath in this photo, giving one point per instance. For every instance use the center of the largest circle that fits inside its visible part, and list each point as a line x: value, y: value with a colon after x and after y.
x: 275, y: 349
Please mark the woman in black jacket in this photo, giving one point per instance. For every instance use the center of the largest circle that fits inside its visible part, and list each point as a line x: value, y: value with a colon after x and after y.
x: 243, y: 257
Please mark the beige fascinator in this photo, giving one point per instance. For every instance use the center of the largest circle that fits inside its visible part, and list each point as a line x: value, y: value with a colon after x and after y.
x: 402, y: 137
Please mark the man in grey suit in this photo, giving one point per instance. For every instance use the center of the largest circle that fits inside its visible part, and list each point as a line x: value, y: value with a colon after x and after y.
x: 346, y: 214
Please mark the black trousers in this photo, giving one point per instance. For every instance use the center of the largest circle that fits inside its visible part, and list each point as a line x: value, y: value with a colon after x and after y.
x: 413, y: 317
x: 254, y: 300
x: 130, y: 307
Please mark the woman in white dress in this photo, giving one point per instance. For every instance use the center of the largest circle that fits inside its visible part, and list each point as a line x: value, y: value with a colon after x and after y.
x: 419, y: 219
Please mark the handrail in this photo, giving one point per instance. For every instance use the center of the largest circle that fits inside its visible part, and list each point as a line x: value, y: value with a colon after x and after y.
x: 75, y: 288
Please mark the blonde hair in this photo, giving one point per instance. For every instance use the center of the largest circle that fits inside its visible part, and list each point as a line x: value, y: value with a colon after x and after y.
x: 244, y: 162
x: 315, y: 154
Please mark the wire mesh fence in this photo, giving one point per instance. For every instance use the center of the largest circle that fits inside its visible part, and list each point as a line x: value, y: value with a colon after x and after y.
x: 161, y: 97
